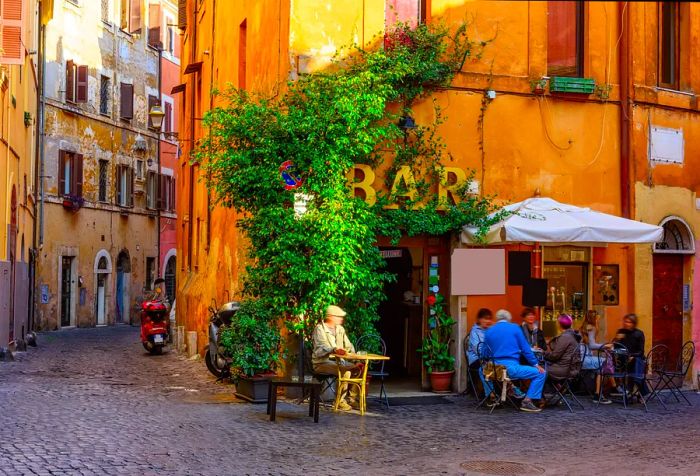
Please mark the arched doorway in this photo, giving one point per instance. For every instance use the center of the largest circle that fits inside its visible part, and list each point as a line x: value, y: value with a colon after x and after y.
x: 668, y: 303
x: 103, y: 268
x: 169, y: 276
x: 123, y: 278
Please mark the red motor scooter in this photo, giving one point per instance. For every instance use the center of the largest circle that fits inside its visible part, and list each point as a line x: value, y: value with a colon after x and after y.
x: 155, y: 325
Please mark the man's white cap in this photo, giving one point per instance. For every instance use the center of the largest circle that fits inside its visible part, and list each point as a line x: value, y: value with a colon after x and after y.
x: 503, y: 315
x: 335, y: 311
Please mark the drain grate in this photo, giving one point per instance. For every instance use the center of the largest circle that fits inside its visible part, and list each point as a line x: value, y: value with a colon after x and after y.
x: 502, y: 468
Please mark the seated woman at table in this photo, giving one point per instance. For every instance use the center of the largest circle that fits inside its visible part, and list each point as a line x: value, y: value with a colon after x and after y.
x: 484, y: 319
x: 564, y: 355
x: 329, y: 337
x: 592, y: 361
x: 533, y: 334
x: 633, y: 339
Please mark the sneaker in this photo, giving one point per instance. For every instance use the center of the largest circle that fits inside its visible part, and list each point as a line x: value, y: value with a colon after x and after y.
x: 528, y: 406
x: 492, y: 402
x: 354, y: 404
x: 516, y: 393
x: 603, y: 401
x: 343, y: 406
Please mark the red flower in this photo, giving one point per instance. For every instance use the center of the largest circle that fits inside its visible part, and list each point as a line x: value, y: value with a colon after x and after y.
x: 431, y: 300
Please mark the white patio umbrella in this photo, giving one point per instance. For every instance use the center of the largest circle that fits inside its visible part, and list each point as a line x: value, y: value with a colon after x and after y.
x: 543, y: 220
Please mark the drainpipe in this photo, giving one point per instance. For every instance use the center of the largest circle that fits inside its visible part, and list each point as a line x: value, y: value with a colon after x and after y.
x: 160, y: 182
x: 625, y: 122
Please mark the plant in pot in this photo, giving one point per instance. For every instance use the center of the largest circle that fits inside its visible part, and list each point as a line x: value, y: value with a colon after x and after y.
x: 437, y: 358
x: 253, y: 345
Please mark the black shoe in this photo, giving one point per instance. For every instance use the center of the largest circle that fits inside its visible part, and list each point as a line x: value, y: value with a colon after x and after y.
x: 528, y: 406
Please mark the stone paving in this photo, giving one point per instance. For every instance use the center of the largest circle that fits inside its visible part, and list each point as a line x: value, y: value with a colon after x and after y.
x: 91, y: 401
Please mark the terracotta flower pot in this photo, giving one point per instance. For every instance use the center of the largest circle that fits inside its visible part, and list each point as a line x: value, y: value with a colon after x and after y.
x: 441, y: 381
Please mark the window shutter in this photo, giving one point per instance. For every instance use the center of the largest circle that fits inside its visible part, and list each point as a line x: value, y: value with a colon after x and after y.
x: 182, y: 14
x: 126, y: 98
x: 12, y: 32
x: 130, y: 186
x: 70, y: 81
x: 81, y: 89
x: 78, y: 174
x: 61, y: 172
x: 154, y: 37
x: 119, y: 184
x: 161, y: 192
x: 172, y: 195
x: 168, y: 120
x: 135, y: 16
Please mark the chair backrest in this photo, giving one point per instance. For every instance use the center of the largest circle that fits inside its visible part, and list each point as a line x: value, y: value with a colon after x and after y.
x: 685, y: 358
x: 465, y: 347
x: 368, y: 342
x: 656, y: 359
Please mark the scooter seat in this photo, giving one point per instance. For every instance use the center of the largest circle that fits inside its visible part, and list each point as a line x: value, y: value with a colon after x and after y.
x: 227, y: 311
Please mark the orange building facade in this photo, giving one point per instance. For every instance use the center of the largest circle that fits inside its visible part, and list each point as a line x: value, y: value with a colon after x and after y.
x: 614, y: 148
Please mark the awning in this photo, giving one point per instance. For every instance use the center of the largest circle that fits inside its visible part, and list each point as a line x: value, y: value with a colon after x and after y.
x: 543, y: 220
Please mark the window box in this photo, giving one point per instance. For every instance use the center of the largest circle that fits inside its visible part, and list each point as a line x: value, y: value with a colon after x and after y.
x: 73, y: 202
x: 559, y: 84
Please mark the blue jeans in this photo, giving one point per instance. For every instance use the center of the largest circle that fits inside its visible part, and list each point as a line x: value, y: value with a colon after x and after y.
x: 521, y: 372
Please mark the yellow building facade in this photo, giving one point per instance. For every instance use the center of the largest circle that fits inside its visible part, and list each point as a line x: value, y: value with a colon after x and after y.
x: 18, y: 139
x: 508, y: 120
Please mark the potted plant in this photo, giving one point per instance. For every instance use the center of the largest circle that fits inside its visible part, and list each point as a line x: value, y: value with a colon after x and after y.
x: 252, y: 342
x: 437, y: 358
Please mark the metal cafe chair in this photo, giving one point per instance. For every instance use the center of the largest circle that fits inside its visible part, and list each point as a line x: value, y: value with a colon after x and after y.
x: 562, y: 386
x: 471, y: 380
x: 673, y: 379
x: 498, y: 376
x: 612, y: 364
x: 655, y: 365
x: 376, y: 369
x: 327, y: 380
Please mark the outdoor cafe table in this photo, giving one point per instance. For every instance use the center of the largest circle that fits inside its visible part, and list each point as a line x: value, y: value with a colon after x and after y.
x: 360, y: 381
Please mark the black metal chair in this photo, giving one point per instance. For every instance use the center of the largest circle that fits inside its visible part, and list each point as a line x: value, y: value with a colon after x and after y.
x: 613, y: 364
x: 562, y: 386
x: 327, y: 380
x: 673, y: 379
x: 498, y: 377
x: 376, y: 368
x: 655, y: 365
x: 472, y: 382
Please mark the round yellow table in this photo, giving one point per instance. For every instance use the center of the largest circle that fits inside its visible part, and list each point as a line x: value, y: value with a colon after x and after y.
x: 360, y: 381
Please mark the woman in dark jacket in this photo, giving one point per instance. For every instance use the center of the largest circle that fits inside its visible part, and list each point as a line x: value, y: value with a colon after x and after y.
x: 564, y: 357
x: 533, y: 334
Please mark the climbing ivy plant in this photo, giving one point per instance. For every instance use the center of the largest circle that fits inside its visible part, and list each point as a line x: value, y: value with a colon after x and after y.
x: 324, y: 123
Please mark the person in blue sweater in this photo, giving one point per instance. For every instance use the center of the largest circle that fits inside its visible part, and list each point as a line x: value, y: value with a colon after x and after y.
x: 506, y: 344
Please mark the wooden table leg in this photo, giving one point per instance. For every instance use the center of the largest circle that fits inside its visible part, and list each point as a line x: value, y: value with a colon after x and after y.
x: 311, y: 399
x: 269, y: 397
x: 273, y: 402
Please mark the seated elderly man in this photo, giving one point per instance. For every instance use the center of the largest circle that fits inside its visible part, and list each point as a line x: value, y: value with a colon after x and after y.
x: 507, y: 345
x: 330, y: 338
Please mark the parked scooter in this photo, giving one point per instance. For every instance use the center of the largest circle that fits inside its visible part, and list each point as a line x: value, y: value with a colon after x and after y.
x: 155, y: 322
x: 214, y: 357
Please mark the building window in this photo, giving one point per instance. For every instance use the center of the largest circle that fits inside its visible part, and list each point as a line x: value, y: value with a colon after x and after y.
x: 125, y: 186
x: 565, y: 39
x: 139, y: 169
x: 126, y: 101
x: 105, y: 89
x: 76, y: 82
x: 669, y: 44
x: 106, y: 11
x: 167, y: 193
x: 102, y: 186
x: 150, y: 273
x: 152, y: 191
x: 242, y: 53
x: 70, y: 174
x: 170, y: 45
x: 130, y: 15
x: 168, y: 119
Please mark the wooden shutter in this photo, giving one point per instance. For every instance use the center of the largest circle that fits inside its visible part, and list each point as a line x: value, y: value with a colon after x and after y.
x: 119, y: 184
x: 160, y: 190
x: 70, y: 81
x: 135, y: 16
x: 154, y: 37
x: 126, y: 98
x: 168, y: 117
x: 61, y: 172
x: 172, y: 195
x: 81, y: 85
x: 182, y: 14
x: 12, y: 32
x: 130, y: 186
x: 77, y: 175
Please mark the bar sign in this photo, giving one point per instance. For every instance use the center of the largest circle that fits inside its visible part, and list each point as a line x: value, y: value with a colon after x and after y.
x: 391, y: 253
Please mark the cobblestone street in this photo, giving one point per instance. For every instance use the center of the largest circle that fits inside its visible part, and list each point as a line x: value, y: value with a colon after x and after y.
x: 91, y: 401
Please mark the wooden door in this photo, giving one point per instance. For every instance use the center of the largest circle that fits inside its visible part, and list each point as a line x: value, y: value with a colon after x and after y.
x: 667, y: 327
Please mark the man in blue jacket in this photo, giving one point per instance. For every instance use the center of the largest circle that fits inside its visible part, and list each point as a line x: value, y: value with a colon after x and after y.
x: 506, y: 343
